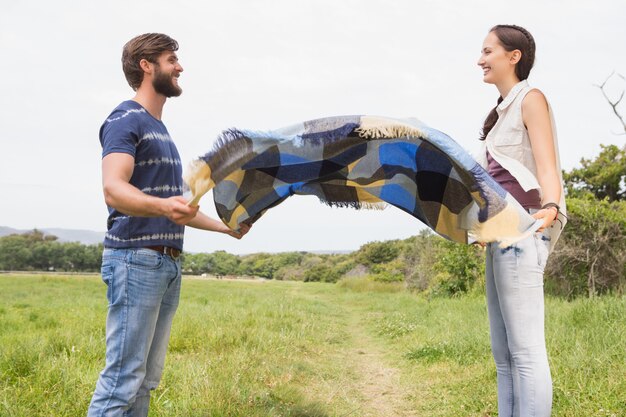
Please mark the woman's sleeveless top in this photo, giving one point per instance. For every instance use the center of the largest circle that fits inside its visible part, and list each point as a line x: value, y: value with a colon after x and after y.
x: 509, y: 145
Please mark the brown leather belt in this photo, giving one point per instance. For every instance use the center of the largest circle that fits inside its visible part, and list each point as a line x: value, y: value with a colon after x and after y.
x: 166, y: 250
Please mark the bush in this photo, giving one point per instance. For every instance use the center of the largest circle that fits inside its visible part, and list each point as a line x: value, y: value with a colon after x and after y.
x: 290, y: 273
x: 419, y: 260
x: 442, y: 267
x: 378, y: 252
x: 459, y: 267
x: 390, y: 272
x: 321, y: 273
x: 590, y: 256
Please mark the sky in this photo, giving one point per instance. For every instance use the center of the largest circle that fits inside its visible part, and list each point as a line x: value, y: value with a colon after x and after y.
x: 267, y: 64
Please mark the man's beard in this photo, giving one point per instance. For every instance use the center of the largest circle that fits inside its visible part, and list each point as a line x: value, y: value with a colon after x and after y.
x: 164, y: 84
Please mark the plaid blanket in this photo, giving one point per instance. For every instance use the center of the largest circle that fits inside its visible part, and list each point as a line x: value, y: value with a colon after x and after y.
x: 359, y: 162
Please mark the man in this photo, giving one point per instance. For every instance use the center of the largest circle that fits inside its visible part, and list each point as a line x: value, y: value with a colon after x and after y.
x: 142, y: 183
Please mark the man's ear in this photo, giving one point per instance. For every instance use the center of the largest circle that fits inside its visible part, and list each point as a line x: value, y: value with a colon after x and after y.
x: 146, y: 66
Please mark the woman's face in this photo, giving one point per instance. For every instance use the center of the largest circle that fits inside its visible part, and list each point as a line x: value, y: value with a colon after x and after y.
x: 496, y: 62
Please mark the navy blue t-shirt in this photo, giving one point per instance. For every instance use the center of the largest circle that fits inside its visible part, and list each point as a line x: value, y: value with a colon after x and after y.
x: 132, y: 130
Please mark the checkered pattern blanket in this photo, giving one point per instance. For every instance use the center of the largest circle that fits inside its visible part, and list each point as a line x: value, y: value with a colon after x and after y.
x: 359, y: 162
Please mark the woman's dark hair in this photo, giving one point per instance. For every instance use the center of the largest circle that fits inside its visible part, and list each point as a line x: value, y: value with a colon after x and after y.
x: 512, y: 37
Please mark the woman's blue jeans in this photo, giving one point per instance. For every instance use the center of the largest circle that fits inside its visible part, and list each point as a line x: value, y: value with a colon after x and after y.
x: 515, y: 302
x: 143, y: 288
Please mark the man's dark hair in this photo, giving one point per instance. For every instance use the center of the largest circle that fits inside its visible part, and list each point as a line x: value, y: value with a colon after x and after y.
x: 148, y: 46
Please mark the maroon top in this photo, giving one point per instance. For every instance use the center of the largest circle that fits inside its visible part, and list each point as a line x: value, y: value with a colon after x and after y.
x: 530, y: 199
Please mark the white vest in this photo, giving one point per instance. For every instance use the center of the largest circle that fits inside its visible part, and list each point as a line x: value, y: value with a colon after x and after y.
x: 508, y: 143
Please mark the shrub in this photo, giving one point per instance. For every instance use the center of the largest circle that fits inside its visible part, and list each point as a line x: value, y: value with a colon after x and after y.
x: 290, y: 273
x: 389, y: 272
x: 590, y: 256
x: 419, y: 260
x: 321, y: 273
x: 378, y: 252
x: 442, y: 267
x: 459, y: 268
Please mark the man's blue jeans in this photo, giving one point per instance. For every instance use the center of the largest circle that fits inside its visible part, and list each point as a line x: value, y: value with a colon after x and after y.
x: 515, y: 302
x: 143, y: 288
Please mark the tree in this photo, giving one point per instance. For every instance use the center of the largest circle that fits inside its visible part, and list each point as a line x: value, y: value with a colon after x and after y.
x: 197, y: 263
x: 258, y: 264
x: 15, y: 254
x: 36, y: 251
x: 224, y: 263
x: 603, y: 177
x: 613, y: 103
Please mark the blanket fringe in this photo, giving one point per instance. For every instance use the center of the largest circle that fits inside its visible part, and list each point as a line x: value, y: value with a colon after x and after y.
x: 329, y: 136
x: 231, y: 149
x: 229, y: 142
x: 358, y: 205
x: 383, y: 128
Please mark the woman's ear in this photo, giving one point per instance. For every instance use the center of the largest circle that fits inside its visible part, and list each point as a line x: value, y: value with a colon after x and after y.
x: 515, y: 57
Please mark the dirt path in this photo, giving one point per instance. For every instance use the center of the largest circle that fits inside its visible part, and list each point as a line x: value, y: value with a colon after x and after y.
x: 378, y: 382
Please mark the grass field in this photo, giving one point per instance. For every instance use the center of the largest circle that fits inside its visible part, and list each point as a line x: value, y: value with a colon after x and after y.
x: 301, y: 349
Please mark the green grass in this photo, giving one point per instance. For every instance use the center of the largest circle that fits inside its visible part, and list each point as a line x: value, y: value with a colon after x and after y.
x: 292, y: 349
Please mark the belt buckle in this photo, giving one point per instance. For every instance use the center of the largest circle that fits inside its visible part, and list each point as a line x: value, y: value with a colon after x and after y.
x: 173, y: 253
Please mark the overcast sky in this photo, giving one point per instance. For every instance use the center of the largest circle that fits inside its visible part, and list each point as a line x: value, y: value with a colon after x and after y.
x: 267, y: 64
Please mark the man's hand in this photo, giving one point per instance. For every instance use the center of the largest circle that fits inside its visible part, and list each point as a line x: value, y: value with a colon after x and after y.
x: 176, y: 209
x: 117, y: 169
x: 204, y: 222
x: 243, y: 229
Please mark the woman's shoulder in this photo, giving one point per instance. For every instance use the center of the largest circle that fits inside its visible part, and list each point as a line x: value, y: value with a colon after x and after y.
x: 534, y: 98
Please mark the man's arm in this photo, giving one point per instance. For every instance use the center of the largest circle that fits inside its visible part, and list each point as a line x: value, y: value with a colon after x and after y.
x: 117, y: 169
x: 204, y: 222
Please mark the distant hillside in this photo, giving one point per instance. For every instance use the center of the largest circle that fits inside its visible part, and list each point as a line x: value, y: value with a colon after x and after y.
x: 87, y: 237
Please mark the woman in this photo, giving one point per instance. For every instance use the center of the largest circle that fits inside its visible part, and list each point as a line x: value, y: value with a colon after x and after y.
x: 521, y: 153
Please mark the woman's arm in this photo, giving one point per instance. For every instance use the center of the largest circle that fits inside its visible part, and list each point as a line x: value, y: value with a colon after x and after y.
x: 536, y: 116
